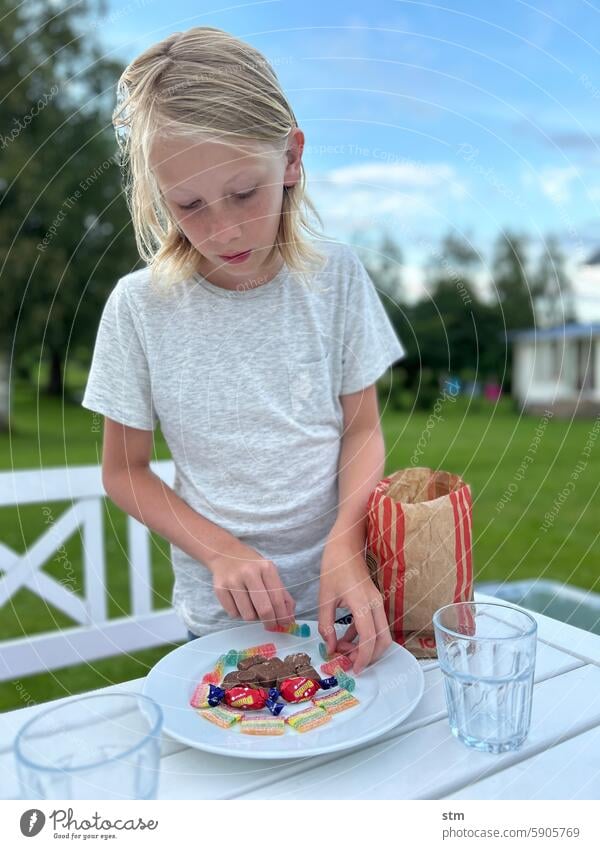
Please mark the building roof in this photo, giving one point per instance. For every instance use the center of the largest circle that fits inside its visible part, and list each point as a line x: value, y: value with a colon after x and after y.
x: 563, y: 331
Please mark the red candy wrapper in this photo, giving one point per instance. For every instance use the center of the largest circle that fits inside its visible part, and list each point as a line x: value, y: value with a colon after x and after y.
x: 298, y: 689
x: 246, y: 698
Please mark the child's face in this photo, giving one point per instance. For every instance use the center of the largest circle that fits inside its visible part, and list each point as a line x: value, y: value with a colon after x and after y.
x: 211, y: 179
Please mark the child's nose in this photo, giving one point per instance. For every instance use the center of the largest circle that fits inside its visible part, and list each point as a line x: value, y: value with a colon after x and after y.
x: 223, y: 232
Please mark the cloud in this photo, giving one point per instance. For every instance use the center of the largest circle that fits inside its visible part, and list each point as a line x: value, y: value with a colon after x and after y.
x: 553, y: 181
x: 399, y: 174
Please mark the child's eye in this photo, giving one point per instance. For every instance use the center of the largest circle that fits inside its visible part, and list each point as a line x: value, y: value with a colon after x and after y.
x: 242, y: 196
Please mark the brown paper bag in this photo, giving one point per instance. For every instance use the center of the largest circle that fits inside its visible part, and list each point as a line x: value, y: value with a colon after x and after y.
x: 419, y: 550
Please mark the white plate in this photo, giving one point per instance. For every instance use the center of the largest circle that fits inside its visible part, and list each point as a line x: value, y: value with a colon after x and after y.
x: 388, y: 691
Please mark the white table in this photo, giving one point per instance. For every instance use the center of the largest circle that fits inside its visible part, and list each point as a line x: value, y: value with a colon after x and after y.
x: 419, y: 759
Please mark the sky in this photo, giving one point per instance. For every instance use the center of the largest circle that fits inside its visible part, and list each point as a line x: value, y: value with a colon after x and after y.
x: 424, y: 118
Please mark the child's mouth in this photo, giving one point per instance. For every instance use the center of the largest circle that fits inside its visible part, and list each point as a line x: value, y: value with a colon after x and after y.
x: 237, y: 257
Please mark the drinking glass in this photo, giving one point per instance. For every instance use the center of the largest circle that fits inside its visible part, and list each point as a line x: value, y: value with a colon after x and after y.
x: 105, y: 746
x: 487, y: 656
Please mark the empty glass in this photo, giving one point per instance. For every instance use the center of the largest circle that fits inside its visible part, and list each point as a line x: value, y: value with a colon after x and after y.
x: 487, y: 656
x: 104, y: 746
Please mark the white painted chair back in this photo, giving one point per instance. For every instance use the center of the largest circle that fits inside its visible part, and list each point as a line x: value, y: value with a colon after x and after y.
x: 95, y: 636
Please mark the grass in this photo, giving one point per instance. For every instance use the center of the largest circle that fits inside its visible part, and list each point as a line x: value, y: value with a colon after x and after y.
x: 484, y: 443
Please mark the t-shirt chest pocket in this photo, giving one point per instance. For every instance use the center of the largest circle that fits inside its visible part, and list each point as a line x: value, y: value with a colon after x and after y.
x: 310, y: 387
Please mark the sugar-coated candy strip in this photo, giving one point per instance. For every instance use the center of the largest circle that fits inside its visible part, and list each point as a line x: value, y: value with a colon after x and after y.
x: 294, y: 629
x: 336, y: 702
x: 307, y: 719
x: 206, y: 695
x: 338, y: 660
x: 215, y: 676
x: 266, y: 649
x: 269, y: 725
x: 222, y: 716
x: 231, y: 658
x: 346, y: 682
x: 199, y: 697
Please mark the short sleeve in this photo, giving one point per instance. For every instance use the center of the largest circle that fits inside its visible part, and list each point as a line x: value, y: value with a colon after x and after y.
x: 118, y: 384
x: 370, y: 345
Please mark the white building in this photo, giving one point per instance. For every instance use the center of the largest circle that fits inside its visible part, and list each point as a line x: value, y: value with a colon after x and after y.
x: 557, y: 368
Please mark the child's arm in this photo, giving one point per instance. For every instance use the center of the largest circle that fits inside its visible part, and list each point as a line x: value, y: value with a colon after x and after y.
x: 345, y: 578
x: 246, y: 584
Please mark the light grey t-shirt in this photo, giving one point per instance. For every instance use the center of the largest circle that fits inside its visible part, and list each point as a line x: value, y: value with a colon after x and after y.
x: 245, y: 385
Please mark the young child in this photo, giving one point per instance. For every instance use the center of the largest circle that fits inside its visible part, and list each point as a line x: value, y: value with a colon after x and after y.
x: 260, y: 369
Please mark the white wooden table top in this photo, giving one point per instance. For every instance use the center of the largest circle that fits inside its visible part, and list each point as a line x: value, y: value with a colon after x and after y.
x: 419, y: 759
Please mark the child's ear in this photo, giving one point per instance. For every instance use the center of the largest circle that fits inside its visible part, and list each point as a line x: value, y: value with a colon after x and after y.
x: 294, y: 156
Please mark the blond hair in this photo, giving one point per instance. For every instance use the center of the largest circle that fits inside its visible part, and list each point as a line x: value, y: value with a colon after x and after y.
x: 203, y: 83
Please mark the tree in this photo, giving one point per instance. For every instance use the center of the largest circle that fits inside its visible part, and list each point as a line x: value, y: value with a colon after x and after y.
x: 64, y: 236
x: 456, y: 258
x: 552, y: 288
x: 511, y: 280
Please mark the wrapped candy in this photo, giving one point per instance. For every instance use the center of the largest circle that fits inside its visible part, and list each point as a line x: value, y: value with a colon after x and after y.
x: 299, y: 689
x: 248, y: 698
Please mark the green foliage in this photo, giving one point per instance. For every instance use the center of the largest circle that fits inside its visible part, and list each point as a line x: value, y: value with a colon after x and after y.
x: 451, y: 329
x: 64, y: 225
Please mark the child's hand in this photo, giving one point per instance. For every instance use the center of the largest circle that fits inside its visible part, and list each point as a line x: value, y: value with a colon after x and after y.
x: 346, y: 582
x: 248, y: 586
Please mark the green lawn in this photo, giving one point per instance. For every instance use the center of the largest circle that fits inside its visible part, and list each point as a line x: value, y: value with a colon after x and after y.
x: 485, y: 444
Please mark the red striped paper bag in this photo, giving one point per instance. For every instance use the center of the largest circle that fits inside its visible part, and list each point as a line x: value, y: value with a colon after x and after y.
x: 419, y: 551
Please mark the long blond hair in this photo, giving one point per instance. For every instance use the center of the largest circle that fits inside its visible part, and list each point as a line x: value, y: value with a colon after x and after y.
x: 203, y: 82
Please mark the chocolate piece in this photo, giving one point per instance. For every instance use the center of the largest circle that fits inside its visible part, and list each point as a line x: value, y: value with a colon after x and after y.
x: 266, y: 675
x: 252, y: 661
x: 297, y: 660
x: 230, y: 680
x: 308, y: 672
x: 248, y: 677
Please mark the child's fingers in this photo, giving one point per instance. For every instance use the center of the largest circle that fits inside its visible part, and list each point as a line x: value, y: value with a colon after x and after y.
x: 228, y: 604
x: 290, y: 603
x: 344, y: 647
x: 384, y: 638
x: 367, y: 637
x: 326, y: 626
x: 278, y: 597
x: 349, y: 634
x: 244, y: 604
x: 261, y: 599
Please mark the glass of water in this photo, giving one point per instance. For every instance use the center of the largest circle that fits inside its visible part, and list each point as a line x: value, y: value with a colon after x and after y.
x: 104, y: 746
x: 487, y: 656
